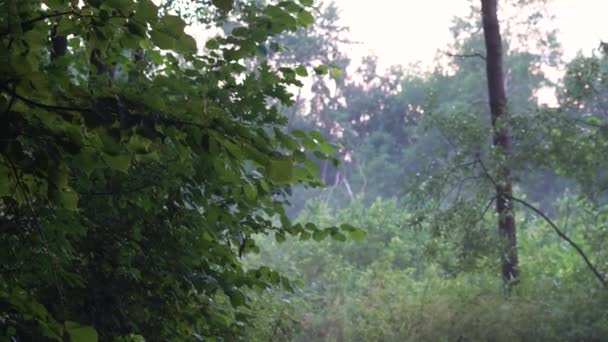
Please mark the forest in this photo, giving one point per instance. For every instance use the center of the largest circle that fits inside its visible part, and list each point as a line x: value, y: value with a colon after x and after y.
x: 226, y: 170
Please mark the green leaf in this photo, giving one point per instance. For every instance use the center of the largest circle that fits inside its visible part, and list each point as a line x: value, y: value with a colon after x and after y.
x: 336, y: 73
x: 307, y: 2
x: 357, y: 234
x: 281, y: 19
x: 327, y: 148
x: 298, y: 133
x: 68, y: 199
x: 592, y: 120
x: 318, y: 136
x: 162, y: 40
x: 224, y: 5
x: 250, y: 191
x: 240, y: 31
x: 139, y: 144
x: 338, y: 236
x: 319, y: 235
x: 172, y: 25
x: 321, y: 70
x: 299, y: 156
x: 146, y: 11
x: 301, y: 71
x: 80, y: 333
x: 136, y: 29
x: 123, y: 6
x: 300, y: 174
x: 305, y: 18
x: 280, y: 237
x: 312, y: 167
x: 280, y: 170
x: 120, y: 162
x: 212, y: 44
x: 309, y: 144
x: 304, y: 235
x: 186, y: 44
x: 237, y: 298
x: 285, y: 222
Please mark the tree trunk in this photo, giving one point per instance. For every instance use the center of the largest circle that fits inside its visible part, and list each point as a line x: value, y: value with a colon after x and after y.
x: 59, y: 44
x: 502, y: 142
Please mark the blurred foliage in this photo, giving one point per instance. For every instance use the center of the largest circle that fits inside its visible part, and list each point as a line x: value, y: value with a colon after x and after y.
x: 399, y: 284
x: 417, y: 177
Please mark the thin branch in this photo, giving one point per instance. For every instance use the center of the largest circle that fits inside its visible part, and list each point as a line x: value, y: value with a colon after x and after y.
x: 488, y: 206
x: 40, y: 228
x: 89, y: 110
x: 10, y: 106
x: 116, y: 193
x: 466, y: 55
x: 40, y: 18
x: 60, y: 14
x: 47, y: 16
x: 47, y: 106
x: 484, y: 212
x: 553, y: 225
x: 485, y: 170
x: 564, y: 237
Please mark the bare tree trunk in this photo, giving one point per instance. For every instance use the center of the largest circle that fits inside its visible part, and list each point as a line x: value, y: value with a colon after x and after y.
x: 502, y: 141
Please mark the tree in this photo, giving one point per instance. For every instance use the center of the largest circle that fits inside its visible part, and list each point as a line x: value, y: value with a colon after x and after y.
x: 502, y: 140
x: 134, y: 171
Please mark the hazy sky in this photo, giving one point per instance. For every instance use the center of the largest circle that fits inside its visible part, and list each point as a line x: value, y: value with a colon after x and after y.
x: 406, y: 31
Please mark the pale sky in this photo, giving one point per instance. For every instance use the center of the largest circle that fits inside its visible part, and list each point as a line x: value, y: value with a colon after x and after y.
x: 407, y: 31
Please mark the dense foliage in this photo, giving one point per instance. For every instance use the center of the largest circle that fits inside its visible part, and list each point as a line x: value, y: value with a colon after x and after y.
x: 135, y: 167
x: 405, y: 284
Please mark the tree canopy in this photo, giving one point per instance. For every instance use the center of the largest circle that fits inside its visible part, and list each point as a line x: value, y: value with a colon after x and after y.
x: 136, y: 166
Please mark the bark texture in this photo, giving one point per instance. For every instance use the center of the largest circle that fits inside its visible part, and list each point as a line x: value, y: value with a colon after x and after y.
x: 502, y: 140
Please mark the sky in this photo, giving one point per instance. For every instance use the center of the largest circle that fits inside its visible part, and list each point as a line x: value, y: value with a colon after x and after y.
x: 408, y: 31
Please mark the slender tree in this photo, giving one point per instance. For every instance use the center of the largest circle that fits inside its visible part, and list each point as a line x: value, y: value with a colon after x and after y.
x: 501, y: 140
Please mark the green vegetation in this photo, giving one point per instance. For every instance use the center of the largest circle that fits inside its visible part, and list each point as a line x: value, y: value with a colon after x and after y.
x: 156, y: 190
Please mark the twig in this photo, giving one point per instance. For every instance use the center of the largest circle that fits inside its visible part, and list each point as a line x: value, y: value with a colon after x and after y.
x: 485, y: 170
x: 52, y: 261
x: 47, y: 106
x: 350, y: 191
x: 483, y: 213
x: 564, y: 237
x: 466, y: 55
x: 60, y: 14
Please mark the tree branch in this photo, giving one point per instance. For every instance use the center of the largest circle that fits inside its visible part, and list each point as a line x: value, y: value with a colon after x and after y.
x: 45, y: 246
x: 60, y: 14
x: 466, y: 55
x: 485, y: 170
x: 564, y: 237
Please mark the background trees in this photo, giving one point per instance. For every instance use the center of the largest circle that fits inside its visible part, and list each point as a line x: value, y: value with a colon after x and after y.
x: 430, y: 258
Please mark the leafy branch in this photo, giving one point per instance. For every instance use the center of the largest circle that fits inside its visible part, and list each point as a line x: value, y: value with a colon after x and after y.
x: 40, y: 228
x: 564, y: 237
x: 561, y: 234
x: 59, y: 14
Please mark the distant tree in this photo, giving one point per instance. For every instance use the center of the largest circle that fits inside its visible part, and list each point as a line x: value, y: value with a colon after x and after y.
x: 501, y: 127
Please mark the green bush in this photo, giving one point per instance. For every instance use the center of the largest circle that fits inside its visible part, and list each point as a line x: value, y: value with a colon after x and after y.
x: 389, y: 288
